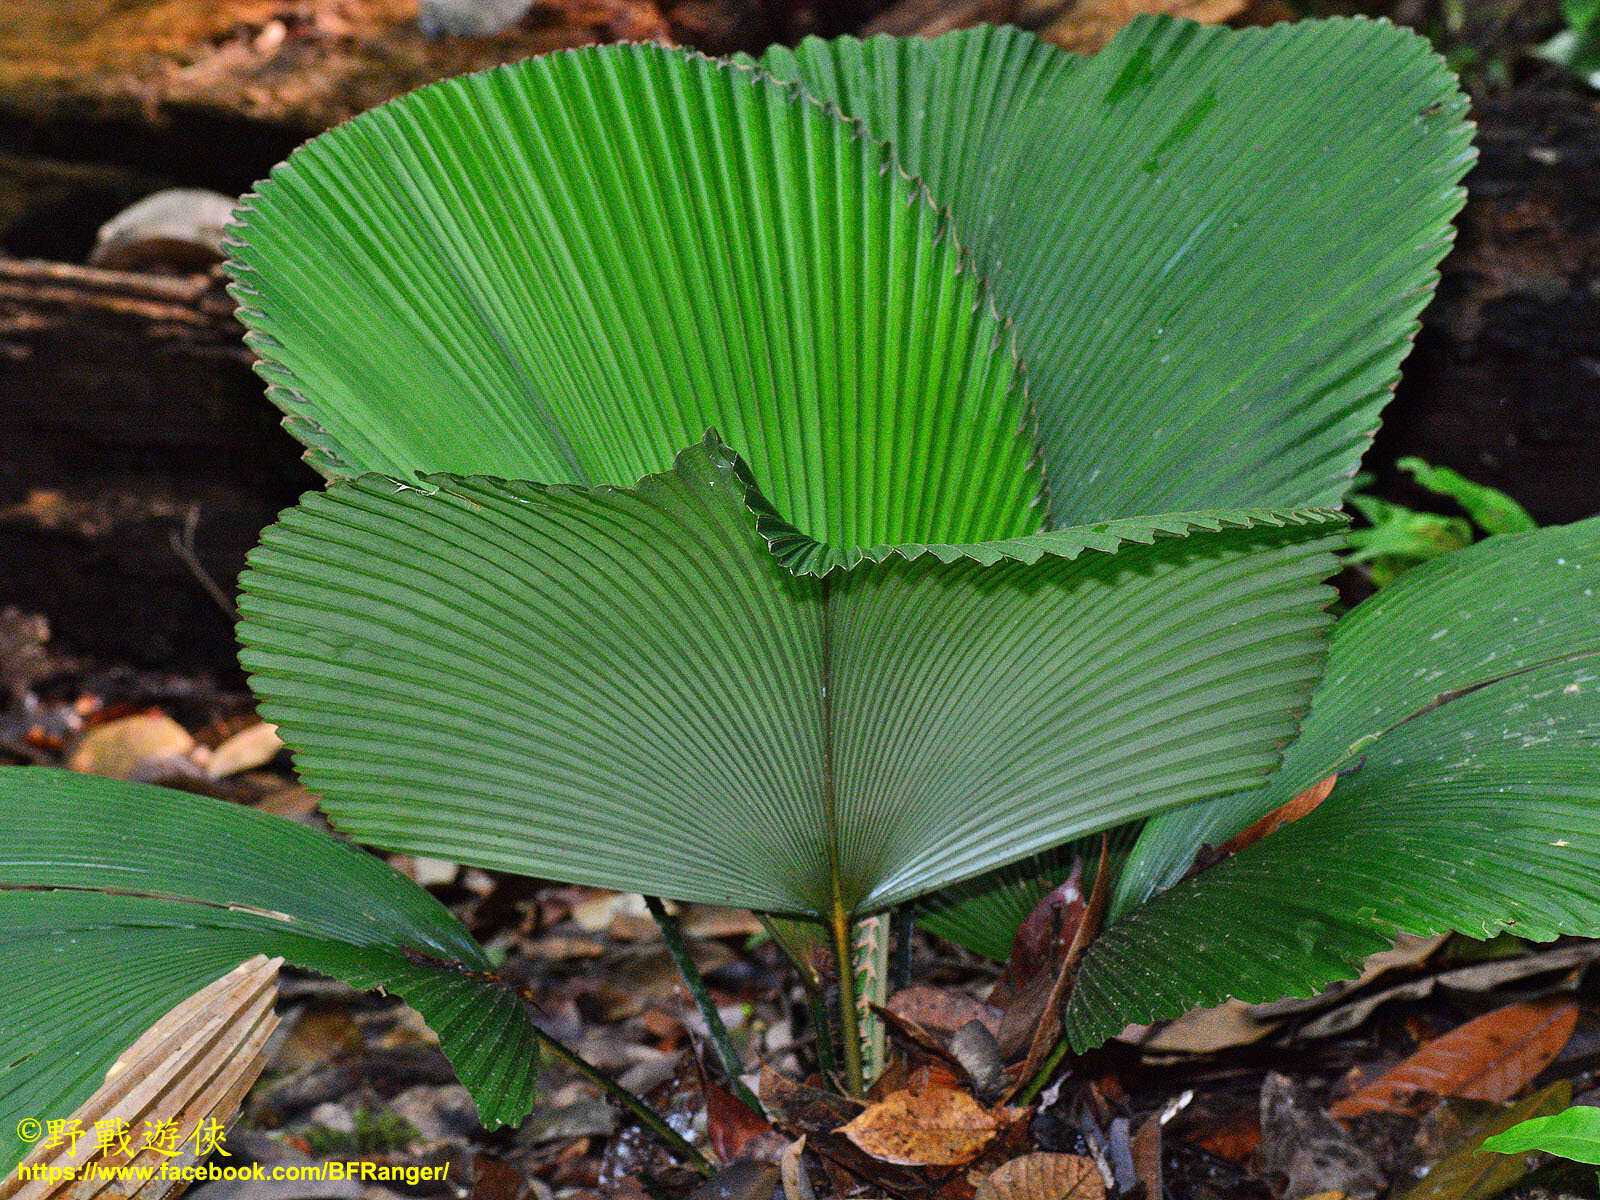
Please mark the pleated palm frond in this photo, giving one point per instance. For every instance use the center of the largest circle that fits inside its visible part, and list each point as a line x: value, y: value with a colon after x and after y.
x: 628, y: 688
x: 118, y: 900
x: 1214, y: 243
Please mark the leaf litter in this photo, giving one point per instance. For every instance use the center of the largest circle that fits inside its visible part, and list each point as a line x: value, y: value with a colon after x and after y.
x: 348, y: 1073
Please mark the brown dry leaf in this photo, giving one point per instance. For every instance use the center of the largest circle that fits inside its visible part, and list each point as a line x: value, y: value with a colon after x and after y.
x: 731, y: 1125
x: 1041, y: 942
x: 1048, y: 1030
x: 942, y: 1010
x: 142, y: 746
x: 1044, y: 1177
x: 710, y: 921
x: 1286, y: 813
x: 1234, y: 1137
x: 249, y: 748
x: 192, y: 1067
x: 1208, y: 1030
x: 294, y: 802
x: 1492, y: 1057
x: 792, y: 1172
x: 1468, y: 1172
x: 801, y: 1109
x: 1087, y: 25
x: 929, y: 1127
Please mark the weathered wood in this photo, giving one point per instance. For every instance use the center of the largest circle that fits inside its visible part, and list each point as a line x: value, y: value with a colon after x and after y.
x: 131, y: 421
x: 299, y: 64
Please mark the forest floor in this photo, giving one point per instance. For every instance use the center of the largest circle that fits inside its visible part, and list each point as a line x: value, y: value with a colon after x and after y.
x: 148, y: 462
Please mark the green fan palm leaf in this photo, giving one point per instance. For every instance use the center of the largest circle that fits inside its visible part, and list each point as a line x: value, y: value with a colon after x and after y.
x: 568, y: 269
x: 118, y: 900
x: 1214, y: 244
x: 627, y: 688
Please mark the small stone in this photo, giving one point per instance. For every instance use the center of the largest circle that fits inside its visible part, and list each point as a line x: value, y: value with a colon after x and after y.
x: 469, y: 18
x: 335, y: 1117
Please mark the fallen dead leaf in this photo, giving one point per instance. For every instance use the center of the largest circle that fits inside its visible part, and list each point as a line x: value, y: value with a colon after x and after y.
x: 792, y: 1172
x: 801, y: 1109
x: 249, y: 748
x: 192, y: 1067
x: 1479, y: 977
x: 930, y: 1127
x: 1468, y: 1171
x: 1044, y: 1177
x: 942, y: 1010
x: 1492, y: 1057
x: 1048, y: 1030
x: 1234, y: 1137
x: 143, y: 746
x: 1084, y: 26
x: 709, y: 921
x: 1286, y: 813
x: 1208, y: 1030
x: 1041, y: 942
x: 731, y: 1125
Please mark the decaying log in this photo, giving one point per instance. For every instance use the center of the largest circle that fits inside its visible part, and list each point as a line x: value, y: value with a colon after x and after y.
x: 141, y: 460
x: 1504, y: 384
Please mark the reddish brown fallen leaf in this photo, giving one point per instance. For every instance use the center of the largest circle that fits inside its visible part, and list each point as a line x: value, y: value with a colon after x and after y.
x: 1286, y: 813
x: 930, y: 1127
x: 493, y: 1178
x: 731, y: 1125
x: 941, y: 1010
x: 1047, y: 1032
x: 1044, y: 1177
x: 1492, y: 1057
x: 1233, y: 1139
x: 1041, y: 941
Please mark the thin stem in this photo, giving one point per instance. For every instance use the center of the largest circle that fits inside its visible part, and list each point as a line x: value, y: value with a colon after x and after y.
x: 902, y: 926
x: 826, y: 1063
x: 643, y: 1113
x: 1042, y: 1075
x: 732, y: 1065
x: 849, y: 1018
